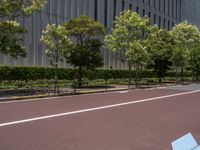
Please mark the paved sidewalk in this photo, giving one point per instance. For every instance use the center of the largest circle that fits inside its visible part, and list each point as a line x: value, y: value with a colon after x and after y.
x: 70, y: 91
x: 65, y: 92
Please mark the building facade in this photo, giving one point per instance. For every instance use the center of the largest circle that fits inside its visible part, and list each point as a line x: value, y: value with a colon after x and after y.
x: 164, y: 13
x: 191, y: 11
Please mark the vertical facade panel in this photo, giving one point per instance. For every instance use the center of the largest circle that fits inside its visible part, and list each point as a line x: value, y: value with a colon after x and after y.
x: 59, y: 11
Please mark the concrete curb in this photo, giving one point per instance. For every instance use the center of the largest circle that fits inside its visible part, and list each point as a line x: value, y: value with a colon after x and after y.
x: 64, y: 94
x: 70, y: 94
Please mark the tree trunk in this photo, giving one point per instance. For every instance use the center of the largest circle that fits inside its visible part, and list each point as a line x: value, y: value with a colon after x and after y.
x: 80, y: 76
x: 197, y: 76
x: 136, y: 75
x: 176, y: 74
x: 56, y: 80
x: 182, y: 75
x: 129, y: 76
x: 56, y: 68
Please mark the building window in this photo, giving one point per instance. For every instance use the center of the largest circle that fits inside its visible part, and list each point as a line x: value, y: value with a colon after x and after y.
x: 172, y: 24
x: 154, y: 19
x: 168, y: 7
x: 96, y: 10
x: 115, y: 9
x: 168, y: 25
x: 172, y: 8
x: 123, y: 5
x: 164, y: 22
x: 159, y: 22
x: 180, y: 9
x: 164, y: 5
x: 154, y: 3
x: 106, y: 13
x: 159, y: 5
x: 137, y: 10
x: 130, y: 6
x: 143, y: 13
x: 149, y: 15
x: 176, y: 8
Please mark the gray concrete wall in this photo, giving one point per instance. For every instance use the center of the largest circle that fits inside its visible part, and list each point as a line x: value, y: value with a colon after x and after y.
x: 191, y: 11
x: 59, y: 11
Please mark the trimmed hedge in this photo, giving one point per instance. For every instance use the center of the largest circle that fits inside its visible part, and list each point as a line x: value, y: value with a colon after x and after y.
x: 40, y: 73
x: 172, y: 73
x: 33, y: 73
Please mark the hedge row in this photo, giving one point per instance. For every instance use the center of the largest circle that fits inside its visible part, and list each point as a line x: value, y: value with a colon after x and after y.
x: 33, y: 73
x: 38, y: 73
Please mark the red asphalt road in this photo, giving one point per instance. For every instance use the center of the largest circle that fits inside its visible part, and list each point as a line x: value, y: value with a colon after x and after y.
x: 149, y: 125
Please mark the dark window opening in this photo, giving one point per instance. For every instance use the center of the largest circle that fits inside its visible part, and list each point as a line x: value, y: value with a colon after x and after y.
x: 137, y: 10
x: 130, y: 6
x: 159, y: 22
x: 168, y: 25
x: 96, y: 10
x: 180, y: 6
x: 149, y: 15
x: 154, y: 19
x: 159, y: 5
x: 172, y: 24
x: 164, y: 5
x: 168, y: 7
x: 106, y: 13
x: 172, y: 8
x: 143, y: 13
x: 164, y: 22
x: 115, y: 9
x: 123, y: 5
x: 176, y: 8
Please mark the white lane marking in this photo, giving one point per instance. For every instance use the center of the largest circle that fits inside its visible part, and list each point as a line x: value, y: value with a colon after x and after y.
x: 124, y: 92
x: 95, y: 108
x: 161, y: 87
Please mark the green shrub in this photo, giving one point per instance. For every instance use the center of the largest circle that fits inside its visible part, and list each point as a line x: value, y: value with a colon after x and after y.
x: 41, y: 73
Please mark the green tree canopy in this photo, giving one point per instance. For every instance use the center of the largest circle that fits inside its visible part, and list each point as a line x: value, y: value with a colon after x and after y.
x: 127, y: 38
x: 186, y: 37
x: 11, y: 40
x: 85, y: 33
x: 160, y: 45
x: 10, y: 30
x: 10, y: 9
x: 194, y: 62
x: 56, y: 42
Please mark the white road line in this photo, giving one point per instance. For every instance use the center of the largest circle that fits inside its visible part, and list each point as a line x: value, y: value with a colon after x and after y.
x: 124, y: 92
x: 95, y: 108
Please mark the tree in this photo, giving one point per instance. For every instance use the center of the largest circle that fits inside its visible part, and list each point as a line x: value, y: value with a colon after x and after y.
x: 127, y: 38
x: 11, y: 42
x: 56, y: 42
x: 160, y: 45
x: 186, y: 37
x: 194, y: 62
x: 85, y: 52
x: 10, y: 9
x: 138, y: 56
